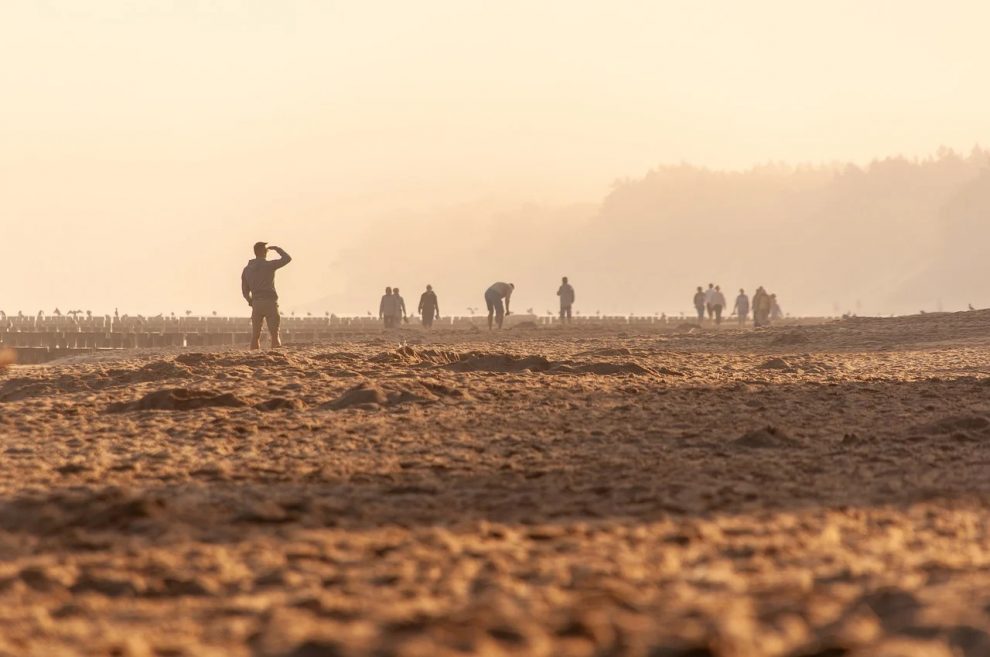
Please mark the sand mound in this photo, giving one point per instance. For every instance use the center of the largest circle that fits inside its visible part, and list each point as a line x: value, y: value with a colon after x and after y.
x: 776, y: 364
x: 962, y: 428
x: 75, y: 379
x: 477, y: 361
x: 368, y: 396
x: 443, y: 390
x: 790, y: 338
x: 605, y: 369
x: 409, y: 356
x: 606, y: 351
x: 197, y: 358
x: 958, y: 423
x: 177, y: 399
x: 158, y: 371
x: 488, y: 362
x: 363, y: 395
x: 766, y: 438
x: 111, y: 508
x: 337, y: 356
x: 23, y: 388
x: 281, y: 404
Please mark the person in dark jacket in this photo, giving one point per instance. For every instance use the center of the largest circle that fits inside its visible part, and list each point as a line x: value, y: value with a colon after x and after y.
x: 699, y: 304
x: 429, y: 307
x: 566, y: 294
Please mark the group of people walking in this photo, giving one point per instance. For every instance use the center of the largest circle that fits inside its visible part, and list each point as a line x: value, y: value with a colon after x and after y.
x: 712, y: 301
x: 392, y: 309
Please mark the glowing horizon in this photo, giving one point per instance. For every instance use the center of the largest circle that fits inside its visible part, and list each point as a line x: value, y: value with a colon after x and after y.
x: 146, y: 145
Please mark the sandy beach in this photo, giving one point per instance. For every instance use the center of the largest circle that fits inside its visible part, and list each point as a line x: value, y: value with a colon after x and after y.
x: 814, y: 491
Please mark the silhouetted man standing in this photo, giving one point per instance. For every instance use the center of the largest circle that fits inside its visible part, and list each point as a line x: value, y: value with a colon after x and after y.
x: 493, y: 299
x: 429, y: 307
x: 258, y: 288
x: 566, y: 294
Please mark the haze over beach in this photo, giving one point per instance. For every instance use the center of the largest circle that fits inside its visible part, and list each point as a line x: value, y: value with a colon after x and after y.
x: 571, y: 434
x: 158, y: 140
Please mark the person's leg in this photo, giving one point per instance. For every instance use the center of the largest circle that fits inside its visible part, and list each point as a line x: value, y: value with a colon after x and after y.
x: 499, y: 313
x: 568, y: 314
x: 256, y: 319
x: 274, y: 321
x: 490, y: 302
x: 718, y: 314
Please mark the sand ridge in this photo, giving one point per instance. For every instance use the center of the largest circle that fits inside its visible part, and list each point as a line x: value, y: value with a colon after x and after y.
x: 798, y: 491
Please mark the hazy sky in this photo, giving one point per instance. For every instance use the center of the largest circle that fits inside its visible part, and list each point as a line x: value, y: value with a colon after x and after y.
x: 145, y: 144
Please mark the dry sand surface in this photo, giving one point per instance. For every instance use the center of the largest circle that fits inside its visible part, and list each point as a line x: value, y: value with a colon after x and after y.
x: 817, y: 492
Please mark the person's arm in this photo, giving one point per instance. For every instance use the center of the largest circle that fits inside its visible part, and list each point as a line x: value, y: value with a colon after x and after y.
x: 381, y: 308
x: 283, y: 259
x: 436, y: 307
x: 419, y: 310
x: 559, y: 289
x: 507, y: 297
x: 245, y: 289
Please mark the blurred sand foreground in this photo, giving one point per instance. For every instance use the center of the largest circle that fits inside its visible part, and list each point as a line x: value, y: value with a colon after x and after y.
x: 537, y: 492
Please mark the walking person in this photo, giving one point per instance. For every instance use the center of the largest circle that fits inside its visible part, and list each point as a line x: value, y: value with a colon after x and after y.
x: 494, y: 296
x: 718, y: 303
x: 761, y: 307
x: 699, y: 304
x: 566, y: 294
x: 258, y: 288
x: 400, y: 307
x: 386, y: 309
x: 709, y: 295
x: 775, y: 311
x: 429, y: 307
x: 741, y: 308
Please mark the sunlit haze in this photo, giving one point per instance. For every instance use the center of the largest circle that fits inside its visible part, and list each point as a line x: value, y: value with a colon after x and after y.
x: 144, y: 146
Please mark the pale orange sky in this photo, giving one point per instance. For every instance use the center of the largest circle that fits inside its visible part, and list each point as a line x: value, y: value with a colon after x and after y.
x: 145, y: 145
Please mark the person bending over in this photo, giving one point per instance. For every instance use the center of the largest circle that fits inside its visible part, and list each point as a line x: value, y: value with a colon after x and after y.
x: 493, y: 299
